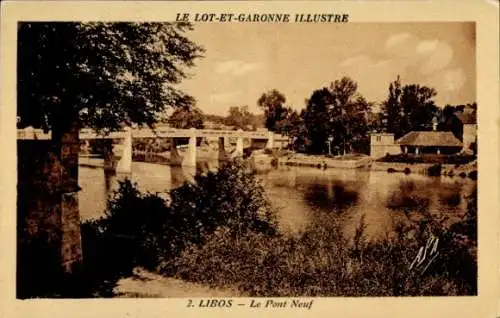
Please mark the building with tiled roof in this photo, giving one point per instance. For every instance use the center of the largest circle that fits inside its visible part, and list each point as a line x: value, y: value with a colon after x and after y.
x: 430, y: 142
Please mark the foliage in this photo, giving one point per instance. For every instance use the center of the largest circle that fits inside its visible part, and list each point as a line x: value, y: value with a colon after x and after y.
x: 218, y: 119
x: 186, y: 117
x: 273, y: 104
x: 101, y: 74
x: 451, y: 122
x: 337, y: 116
x: 321, y: 262
x: 239, y: 117
x: 293, y: 126
x: 407, y: 108
x: 316, y: 119
x: 151, y: 145
x: 144, y: 229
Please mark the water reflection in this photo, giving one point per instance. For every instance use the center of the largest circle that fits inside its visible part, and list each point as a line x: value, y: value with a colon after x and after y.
x: 303, y: 195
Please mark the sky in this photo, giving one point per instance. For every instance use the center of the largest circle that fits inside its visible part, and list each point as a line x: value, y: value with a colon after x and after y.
x: 242, y: 61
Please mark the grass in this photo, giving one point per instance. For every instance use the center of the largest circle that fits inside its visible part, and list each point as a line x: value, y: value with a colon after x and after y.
x: 321, y: 262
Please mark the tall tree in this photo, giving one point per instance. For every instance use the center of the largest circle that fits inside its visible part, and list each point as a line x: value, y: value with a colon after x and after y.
x: 348, y: 117
x: 336, y: 118
x: 317, y: 119
x: 419, y: 108
x: 391, y: 109
x: 409, y: 107
x: 273, y: 104
x: 99, y: 75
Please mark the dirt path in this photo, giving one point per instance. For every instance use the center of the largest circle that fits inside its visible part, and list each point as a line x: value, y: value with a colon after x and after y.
x: 146, y: 284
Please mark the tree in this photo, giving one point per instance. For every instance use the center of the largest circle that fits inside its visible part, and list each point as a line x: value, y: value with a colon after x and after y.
x: 317, y: 119
x: 450, y: 120
x: 98, y: 75
x: 337, y: 115
x: 419, y: 108
x: 348, y: 117
x: 407, y: 108
x: 239, y: 117
x: 273, y: 104
x: 391, y: 109
x: 186, y: 117
x: 294, y: 127
x: 101, y: 74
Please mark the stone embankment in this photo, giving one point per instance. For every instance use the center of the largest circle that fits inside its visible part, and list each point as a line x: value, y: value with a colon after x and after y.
x: 319, y: 161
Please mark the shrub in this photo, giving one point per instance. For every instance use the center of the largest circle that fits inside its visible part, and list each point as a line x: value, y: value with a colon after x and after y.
x: 145, y: 230
x: 391, y: 170
x: 407, y: 170
x: 321, y: 262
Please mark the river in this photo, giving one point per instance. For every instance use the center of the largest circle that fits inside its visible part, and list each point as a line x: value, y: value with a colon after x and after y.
x: 380, y: 198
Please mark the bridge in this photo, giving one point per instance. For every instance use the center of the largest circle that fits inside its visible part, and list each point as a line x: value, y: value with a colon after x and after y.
x: 126, y: 135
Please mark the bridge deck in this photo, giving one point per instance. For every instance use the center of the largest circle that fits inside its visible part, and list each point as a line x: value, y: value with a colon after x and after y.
x: 30, y: 134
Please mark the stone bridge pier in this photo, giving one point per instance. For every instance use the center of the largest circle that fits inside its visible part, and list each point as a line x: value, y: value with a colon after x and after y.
x: 118, y: 158
x: 124, y: 165
x: 223, y: 145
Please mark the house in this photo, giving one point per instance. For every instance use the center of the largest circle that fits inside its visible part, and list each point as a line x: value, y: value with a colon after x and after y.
x: 438, y: 142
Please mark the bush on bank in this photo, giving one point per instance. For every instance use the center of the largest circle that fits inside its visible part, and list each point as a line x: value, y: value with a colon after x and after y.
x: 143, y: 229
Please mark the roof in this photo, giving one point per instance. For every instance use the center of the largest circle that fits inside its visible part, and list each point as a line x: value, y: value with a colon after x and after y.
x: 429, y: 139
x: 468, y: 116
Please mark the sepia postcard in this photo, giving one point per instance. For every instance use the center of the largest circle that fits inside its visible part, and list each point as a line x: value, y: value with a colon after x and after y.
x: 244, y: 158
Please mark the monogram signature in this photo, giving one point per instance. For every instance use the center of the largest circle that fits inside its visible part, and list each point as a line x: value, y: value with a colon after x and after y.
x: 426, y: 255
